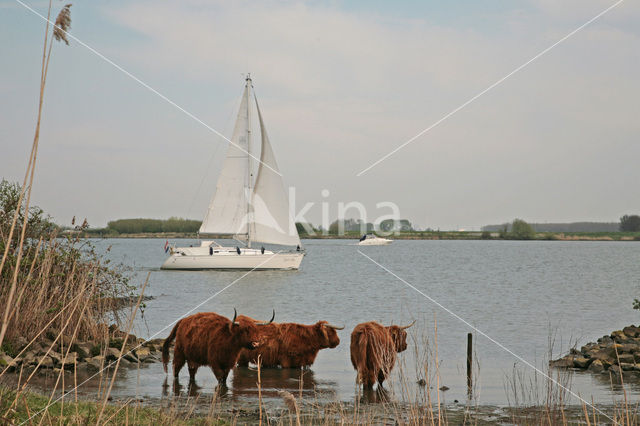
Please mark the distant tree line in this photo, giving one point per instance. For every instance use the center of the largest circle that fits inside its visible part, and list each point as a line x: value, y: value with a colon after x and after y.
x: 630, y: 223
x: 357, y: 225
x: 561, y: 227
x: 142, y: 226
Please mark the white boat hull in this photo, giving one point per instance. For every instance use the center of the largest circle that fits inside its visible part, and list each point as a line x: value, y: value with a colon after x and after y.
x: 227, y: 258
x: 375, y: 242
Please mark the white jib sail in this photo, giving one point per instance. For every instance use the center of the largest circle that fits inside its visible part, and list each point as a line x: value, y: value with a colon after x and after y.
x: 227, y: 213
x: 272, y: 220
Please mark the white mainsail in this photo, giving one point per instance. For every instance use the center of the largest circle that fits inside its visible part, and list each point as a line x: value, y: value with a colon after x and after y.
x: 227, y: 212
x: 272, y: 219
x: 258, y: 214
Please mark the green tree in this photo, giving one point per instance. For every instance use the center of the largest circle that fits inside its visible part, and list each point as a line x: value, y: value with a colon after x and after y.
x: 521, y: 230
x: 630, y: 223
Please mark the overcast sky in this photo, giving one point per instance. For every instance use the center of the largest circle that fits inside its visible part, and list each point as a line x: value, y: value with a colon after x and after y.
x: 340, y: 84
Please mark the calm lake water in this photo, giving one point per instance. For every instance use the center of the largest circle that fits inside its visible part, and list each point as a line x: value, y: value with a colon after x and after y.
x: 521, y: 294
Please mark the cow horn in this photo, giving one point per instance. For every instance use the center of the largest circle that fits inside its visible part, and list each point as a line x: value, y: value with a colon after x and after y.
x: 235, y: 315
x: 407, y: 326
x: 335, y: 327
x: 270, y: 321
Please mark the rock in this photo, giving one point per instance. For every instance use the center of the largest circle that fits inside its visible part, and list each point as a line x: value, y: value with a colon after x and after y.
x: 607, y: 340
x: 112, y: 354
x: 596, y: 366
x: 581, y: 362
x: 20, y: 343
x: 615, y: 370
x: 29, y: 358
x: 588, y: 348
x: 129, y: 356
x: 625, y: 366
x: 629, y: 348
x: 7, y: 362
x: 631, y: 331
x: 626, y: 359
x: 70, y: 361
x: 83, y: 350
x: 47, y: 362
x: 564, y: 362
x: 95, y: 363
x: 143, y: 353
x: 56, y: 357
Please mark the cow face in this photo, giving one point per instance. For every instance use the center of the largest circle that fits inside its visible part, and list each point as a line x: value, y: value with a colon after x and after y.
x: 399, y: 337
x: 246, y: 333
x: 328, y: 335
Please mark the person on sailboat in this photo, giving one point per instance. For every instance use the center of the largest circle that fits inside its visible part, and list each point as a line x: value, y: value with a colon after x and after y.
x: 262, y: 250
x: 210, y: 251
x: 238, y: 249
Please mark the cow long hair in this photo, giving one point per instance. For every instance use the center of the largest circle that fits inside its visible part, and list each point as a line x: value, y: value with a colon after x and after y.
x: 290, y: 344
x: 373, y: 350
x: 167, y: 344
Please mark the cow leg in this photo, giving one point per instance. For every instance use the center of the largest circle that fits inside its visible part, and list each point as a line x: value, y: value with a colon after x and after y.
x: 221, y: 375
x: 193, y: 368
x: 381, y: 377
x: 368, y: 378
x: 178, y: 363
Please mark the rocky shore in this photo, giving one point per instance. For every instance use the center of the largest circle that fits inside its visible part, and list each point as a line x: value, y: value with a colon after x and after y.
x: 616, y: 354
x: 48, y: 356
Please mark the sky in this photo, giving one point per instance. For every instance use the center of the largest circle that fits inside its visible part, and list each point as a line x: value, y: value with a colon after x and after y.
x: 340, y: 85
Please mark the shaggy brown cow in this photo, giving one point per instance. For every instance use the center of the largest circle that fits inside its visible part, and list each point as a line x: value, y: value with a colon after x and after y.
x: 210, y: 339
x: 373, y: 350
x: 291, y: 345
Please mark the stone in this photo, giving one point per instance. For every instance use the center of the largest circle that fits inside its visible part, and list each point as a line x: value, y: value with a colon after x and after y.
x: 629, y: 348
x: 70, y: 361
x: 143, y: 353
x: 29, y: 358
x: 7, y: 362
x: 588, y: 348
x: 625, y: 366
x: 95, y: 362
x: 615, y: 370
x: 20, y: 343
x: 129, y: 356
x: 581, y: 362
x: 112, y: 354
x: 47, y: 362
x: 626, y: 358
x: 607, y: 340
x: 57, y: 358
x: 596, y: 366
x: 631, y: 331
x: 564, y: 362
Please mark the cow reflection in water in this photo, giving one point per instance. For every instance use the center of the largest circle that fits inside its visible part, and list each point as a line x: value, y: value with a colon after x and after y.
x: 244, y: 382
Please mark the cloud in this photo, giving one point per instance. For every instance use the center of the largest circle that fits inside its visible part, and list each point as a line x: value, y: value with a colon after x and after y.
x: 340, y: 88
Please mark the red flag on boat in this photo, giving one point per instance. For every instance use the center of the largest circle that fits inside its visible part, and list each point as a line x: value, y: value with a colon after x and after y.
x: 166, y: 246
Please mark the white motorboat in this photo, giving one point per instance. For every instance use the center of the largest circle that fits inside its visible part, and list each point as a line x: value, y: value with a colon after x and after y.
x: 247, y: 211
x: 373, y: 240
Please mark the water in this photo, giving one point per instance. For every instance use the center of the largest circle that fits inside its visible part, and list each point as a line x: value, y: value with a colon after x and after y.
x: 520, y: 294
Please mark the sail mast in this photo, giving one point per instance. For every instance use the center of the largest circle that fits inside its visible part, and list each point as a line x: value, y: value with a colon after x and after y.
x: 250, y: 166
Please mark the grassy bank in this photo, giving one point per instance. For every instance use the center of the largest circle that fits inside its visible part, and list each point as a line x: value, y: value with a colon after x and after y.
x: 34, y: 408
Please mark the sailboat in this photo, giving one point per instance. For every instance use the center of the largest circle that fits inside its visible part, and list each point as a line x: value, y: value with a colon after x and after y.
x: 251, y: 212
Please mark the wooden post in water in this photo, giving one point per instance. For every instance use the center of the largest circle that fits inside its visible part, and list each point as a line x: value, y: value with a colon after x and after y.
x: 469, y: 363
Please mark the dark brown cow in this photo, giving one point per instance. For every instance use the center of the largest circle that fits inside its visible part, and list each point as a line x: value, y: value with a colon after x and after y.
x: 290, y: 345
x: 210, y: 339
x: 373, y: 350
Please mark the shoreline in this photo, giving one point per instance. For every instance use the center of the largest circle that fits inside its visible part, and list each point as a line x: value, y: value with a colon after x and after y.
x: 435, y: 235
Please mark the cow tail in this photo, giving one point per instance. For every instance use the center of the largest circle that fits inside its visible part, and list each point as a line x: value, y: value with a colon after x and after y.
x: 167, y: 344
x: 364, y: 342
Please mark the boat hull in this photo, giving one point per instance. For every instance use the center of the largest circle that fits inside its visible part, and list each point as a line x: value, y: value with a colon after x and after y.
x: 375, y: 242
x: 267, y: 261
